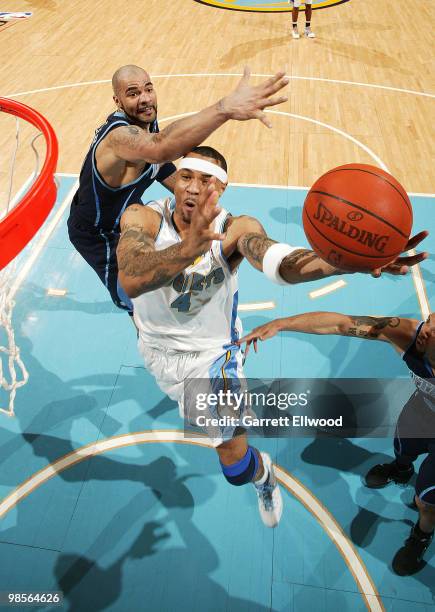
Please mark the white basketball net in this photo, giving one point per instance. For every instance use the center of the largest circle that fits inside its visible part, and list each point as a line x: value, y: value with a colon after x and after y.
x: 13, y: 373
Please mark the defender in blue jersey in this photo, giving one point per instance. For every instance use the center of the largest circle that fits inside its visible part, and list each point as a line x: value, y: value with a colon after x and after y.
x: 415, y: 340
x: 128, y: 153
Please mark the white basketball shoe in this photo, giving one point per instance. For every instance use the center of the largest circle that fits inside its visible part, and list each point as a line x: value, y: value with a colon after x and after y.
x: 269, y: 496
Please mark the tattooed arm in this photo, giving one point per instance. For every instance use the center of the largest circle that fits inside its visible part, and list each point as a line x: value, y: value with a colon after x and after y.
x: 398, y: 332
x: 298, y: 267
x: 140, y: 267
x: 133, y: 144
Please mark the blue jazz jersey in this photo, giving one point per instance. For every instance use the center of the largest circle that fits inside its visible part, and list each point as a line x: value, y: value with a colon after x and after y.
x: 96, y: 210
x: 421, y: 371
x: 96, y: 205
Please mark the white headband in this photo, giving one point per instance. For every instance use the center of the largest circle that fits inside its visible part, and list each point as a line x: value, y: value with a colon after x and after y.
x: 200, y: 165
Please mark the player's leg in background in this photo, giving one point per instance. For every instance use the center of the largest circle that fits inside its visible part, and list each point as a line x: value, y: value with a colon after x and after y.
x: 409, y: 558
x: 406, y: 448
x: 308, y: 12
x: 295, y: 13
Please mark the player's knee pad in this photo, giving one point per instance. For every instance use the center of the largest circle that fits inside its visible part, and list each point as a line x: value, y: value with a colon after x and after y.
x: 244, y: 470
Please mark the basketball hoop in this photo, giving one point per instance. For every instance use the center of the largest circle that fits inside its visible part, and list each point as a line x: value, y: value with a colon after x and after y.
x: 22, y: 223
x: 17, y: 228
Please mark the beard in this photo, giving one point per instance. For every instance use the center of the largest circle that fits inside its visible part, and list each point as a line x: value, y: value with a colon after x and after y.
x: 142, y: 122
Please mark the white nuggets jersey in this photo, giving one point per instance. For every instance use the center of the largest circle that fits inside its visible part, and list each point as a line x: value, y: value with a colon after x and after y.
x: 197, y: 310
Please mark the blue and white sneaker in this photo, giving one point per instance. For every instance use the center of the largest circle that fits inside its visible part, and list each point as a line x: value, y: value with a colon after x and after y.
x: 269, y: 496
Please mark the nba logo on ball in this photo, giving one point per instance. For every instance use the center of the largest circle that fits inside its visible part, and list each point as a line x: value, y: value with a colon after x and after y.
x: 357, y: 217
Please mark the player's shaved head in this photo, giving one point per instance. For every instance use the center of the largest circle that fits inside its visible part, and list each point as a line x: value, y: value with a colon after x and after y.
x: 127, y: 72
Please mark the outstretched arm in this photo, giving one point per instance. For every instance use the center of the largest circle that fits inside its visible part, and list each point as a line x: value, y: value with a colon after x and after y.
x: 131, y: 143
x: 300, y: 266
x: 397, y: 331
x: 252, y: 242
x: 303, y: 265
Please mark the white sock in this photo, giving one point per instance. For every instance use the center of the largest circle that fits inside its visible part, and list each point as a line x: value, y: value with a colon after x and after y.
x: 263, y: 479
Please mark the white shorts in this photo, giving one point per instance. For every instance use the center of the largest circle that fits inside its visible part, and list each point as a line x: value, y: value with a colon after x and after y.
x: 297, y: 3
x: 183, y: 376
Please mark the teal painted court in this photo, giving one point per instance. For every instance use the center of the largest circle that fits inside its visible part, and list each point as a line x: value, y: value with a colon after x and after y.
x: 154, y: 526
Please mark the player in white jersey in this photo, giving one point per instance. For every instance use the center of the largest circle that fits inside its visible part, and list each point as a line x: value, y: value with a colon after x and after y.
x: 178, y: 261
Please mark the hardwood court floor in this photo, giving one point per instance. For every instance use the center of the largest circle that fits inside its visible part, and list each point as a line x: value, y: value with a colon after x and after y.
x: 371, y: 43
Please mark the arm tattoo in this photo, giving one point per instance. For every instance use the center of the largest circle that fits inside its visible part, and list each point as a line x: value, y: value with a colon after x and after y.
x: 371, y: 327
x: 254, y: 246
x: 138, y: 259
x: 128, y: 136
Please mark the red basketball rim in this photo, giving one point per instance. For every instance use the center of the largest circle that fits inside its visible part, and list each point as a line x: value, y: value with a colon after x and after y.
x: 24, y: 220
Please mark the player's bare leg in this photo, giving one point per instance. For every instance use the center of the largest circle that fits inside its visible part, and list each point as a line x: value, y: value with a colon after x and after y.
x: 295, y: 14
x: 308, y: 12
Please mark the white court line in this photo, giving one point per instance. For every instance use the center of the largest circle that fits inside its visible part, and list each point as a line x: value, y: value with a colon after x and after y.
x: 43, y: 237
x: 228, y: 74
x: 68, y: 174
x: 304, y: 187
x: 258, y: 186
x: 358, y: 143
x: 308, y: 499
x: 327, y: 289
x: 256, y: 306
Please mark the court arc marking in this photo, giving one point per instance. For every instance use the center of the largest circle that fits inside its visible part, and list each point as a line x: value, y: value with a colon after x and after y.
x: 271, y: 7
x: 326, y: 520
x: 228, y: 74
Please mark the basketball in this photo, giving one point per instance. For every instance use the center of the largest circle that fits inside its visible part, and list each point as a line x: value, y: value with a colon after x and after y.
x: 357, y: 217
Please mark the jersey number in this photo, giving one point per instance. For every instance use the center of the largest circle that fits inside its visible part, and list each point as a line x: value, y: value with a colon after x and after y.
x: 182, y: 302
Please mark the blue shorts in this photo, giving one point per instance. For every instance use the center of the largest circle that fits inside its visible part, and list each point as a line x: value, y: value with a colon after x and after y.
x: 417, y: 417
x: 98, y: 249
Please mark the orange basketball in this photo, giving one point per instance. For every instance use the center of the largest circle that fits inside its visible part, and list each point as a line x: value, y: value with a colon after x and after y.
x: 357, y: 217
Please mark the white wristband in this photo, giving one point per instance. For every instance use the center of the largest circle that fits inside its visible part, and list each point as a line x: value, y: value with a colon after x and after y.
x: 273, y: 258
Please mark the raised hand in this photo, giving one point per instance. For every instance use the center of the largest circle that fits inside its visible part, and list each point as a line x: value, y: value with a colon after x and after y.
x: 401, y: 265
x: 249, y: 101
x: 201, y: 233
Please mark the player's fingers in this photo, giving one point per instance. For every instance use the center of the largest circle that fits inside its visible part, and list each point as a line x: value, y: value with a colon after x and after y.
x: 248, y: 346
x: 412, y: 260
x: 262, y: 117
x: 274, y: 83
x: 274, y: 101
x: 219, y: 237
x: 246, y: 76
x: 249, y: 337
x: 415, y: 240
x: 255, y: 345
